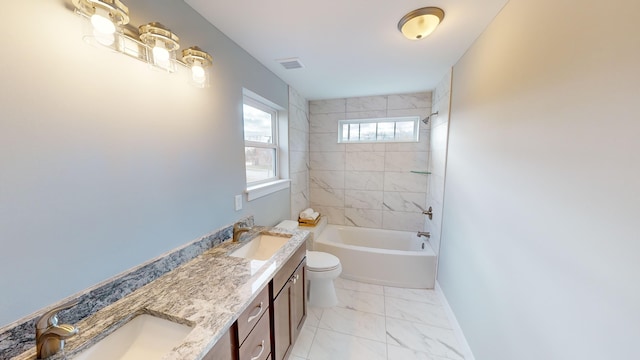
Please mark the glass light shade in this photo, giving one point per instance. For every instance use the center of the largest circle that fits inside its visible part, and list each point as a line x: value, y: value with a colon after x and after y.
x: 162, y: 45
x: 102, y: 22
x: 103, y: 12
x: 160, y: 53
x: 198, y: 74
x: 105, y: 20
x: 198, y: 61
x: 420, y: 23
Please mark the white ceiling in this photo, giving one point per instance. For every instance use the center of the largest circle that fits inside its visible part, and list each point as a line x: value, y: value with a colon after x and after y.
x: 350, y: 48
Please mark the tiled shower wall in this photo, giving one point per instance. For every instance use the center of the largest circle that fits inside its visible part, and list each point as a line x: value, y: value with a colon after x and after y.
x: 438, y: 157
x: 298, y: 152
x: 368, y: 185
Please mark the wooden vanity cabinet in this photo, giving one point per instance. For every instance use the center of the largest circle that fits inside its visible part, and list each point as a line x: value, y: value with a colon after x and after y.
x: 270, y: 325
x: 223, y: 349
x: 289, y: 307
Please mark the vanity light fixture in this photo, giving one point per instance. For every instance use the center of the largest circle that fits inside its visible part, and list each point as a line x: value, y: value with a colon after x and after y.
x: 153, y: 43
x: 420, y: 23
x: 199, y: 62
x: 163, y: 44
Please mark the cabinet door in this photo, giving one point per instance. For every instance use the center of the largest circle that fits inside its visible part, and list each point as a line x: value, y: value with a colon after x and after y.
x: 282, y: 322
x: 298, y: 303
x: 222, y: 350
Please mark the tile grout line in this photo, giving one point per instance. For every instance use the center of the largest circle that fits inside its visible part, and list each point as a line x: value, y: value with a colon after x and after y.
x: 386, y: 338
x: 315, y: 333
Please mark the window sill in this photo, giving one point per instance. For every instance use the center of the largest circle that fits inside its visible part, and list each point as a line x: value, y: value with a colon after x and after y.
x: 258, y: 191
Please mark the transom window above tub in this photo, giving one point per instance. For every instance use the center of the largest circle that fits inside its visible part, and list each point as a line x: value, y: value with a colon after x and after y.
x: 397, y: 129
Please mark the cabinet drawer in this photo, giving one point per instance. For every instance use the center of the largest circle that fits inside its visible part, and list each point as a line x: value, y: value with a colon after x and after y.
x: 283, y: 275
x: 252, y: 314
x: 257, y: 346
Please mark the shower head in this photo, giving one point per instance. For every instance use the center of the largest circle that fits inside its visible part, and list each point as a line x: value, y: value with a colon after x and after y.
x: 426, y: 120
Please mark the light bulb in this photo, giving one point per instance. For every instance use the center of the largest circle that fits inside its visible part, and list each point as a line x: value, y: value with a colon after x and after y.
x: 160, y: 54
x: 102, y: 22
x: 198, y: 74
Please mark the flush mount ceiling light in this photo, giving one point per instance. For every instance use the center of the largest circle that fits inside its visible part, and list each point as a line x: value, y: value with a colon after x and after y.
x: 162, y: 42
x: 198, y: 60
x: 420, y: 23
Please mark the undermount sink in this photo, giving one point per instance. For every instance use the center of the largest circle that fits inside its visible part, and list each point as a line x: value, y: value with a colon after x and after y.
x: 262, y: 247
x: 144, y: 337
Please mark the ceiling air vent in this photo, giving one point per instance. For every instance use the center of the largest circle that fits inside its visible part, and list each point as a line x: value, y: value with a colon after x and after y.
x: 291, y: 63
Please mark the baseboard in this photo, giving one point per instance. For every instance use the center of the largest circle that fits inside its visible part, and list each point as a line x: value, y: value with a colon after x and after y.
x: 464, y: 345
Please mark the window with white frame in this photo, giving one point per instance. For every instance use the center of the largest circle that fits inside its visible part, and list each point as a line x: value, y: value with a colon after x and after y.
x: 398, y: 129
x: 260, y: 141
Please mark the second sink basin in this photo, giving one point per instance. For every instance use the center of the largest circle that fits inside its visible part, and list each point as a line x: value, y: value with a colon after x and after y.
x: 262, y: 247
x: 144, y: 337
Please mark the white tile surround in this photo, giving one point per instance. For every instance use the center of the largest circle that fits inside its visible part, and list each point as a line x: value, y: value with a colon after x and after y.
x: 368, y: 185
x: 437, y: 159
x: 378, y: 322
x: 298, y: 152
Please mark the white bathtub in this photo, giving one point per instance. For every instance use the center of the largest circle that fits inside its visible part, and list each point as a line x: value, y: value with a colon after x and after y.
x: 384, y: 257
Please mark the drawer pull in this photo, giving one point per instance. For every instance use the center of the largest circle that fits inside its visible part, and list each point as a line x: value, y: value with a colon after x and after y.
x: 260, y: 353
x: 294, y: 278
x: 253, y: 317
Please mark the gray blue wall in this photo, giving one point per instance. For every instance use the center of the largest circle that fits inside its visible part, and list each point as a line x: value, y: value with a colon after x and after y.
x: 539, y: 253
x: 106, y: 163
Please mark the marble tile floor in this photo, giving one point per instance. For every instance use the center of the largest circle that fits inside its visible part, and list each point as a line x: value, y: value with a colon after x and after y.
x: 374, y: 322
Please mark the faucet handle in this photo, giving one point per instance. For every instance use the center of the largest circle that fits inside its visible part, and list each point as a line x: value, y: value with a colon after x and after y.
x: 50, y: 318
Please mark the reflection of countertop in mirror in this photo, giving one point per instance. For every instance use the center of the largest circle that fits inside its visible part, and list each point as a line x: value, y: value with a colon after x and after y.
x: 208, y: 293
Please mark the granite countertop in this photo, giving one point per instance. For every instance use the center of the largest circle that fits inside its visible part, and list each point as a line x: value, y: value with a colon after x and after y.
x: 208, y: 293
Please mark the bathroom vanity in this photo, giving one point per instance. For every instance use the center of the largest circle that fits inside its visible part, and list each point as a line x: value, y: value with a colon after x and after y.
x: 239, y: 308
x: 269, y: 326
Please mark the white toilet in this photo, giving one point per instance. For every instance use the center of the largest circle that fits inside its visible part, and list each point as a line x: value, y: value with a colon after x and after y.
x: 322, y: 268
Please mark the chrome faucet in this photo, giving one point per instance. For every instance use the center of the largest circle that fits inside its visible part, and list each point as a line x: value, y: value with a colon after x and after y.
x: 424, y: 233
x: 238, y: 231
x: 50, y: 336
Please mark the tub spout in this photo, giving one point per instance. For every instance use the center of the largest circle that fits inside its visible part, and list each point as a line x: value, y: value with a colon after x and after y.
x: 424, y: 233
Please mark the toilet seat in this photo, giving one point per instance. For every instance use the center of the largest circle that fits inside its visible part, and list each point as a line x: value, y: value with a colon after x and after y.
x: 321, y: 261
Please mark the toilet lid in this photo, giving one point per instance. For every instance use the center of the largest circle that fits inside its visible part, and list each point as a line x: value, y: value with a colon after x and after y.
x: 321, y: 261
